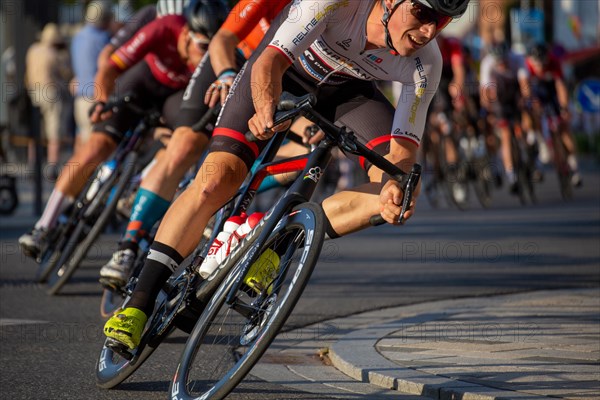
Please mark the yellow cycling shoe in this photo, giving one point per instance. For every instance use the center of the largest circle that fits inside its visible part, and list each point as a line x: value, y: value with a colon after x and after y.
x: 263, y: 271
x: 126, y: 327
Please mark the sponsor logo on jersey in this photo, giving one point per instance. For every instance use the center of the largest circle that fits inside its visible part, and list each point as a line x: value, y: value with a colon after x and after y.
x: 399, y: 132
x: 419, y: 90
x: 246, y: 10
x: 135, y: 44
x: 375, y: 59
x: 283, y: 48
x: 344, y: 44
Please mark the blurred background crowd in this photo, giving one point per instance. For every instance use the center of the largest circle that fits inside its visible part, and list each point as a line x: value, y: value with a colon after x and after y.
x: 49, y: 54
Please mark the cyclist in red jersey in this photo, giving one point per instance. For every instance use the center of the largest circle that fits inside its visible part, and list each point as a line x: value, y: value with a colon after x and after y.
x: 547, y: 89
x: 155, y: 65
x: 243, y: 29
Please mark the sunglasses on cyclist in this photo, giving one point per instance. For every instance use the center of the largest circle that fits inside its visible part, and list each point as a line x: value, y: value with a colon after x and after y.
x: 200, y: 43
x: 427, y: 15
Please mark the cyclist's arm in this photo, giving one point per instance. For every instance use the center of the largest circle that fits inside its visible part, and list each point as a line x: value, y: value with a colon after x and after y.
x: 222, y: 51
x: 523, y: 76
x: 415, y: 97
x: 267, y: 74
x: 289, y: 42
x: 486, y: 83
x: 103, y: 87
x: 563, y: 94
x: 457, y: 86
x: 140, y: 19
x: 458, y: 82
x: 403, y: 154
x: 104, y: 56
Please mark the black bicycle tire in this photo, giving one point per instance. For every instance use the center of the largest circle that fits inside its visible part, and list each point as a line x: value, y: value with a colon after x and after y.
x: 13, y: 201
x: 70, y: 247
x: 482, y: 183
x: 123, y: 370
x: 530, y: 169
x: 108, y: 295
x: 518, y: 168
x: 83, y: 247
x: 51, y: 256
x: 178, y: 387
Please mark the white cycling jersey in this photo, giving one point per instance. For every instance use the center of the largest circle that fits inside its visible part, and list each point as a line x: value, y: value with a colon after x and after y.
x: 327, y: 40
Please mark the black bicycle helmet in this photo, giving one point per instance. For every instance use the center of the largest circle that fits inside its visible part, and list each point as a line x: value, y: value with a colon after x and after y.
x: 539, y: 52
x: 206, y: 16
x: 452, y: 8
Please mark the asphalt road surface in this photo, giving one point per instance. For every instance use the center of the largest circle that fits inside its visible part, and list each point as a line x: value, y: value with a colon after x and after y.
x: 49, y: 345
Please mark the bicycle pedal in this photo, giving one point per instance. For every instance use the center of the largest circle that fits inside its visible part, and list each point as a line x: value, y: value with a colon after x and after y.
x: 119, y: 348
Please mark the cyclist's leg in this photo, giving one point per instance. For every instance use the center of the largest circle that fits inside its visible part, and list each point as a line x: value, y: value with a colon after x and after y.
x: 568, y: 142
x: 223, y: 170
x: 159, y: 185
x: 504, y: 128
x: 185, y: 147
x: 370, y: 117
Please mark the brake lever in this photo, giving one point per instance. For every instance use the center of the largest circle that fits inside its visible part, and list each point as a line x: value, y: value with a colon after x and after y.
x: 411, y: 185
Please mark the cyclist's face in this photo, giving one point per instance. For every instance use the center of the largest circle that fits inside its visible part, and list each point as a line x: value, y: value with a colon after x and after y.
x: 413, y: 25
x: 192, y: 46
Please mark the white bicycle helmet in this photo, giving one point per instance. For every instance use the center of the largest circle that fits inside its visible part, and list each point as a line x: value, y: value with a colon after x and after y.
x: 169, y: 7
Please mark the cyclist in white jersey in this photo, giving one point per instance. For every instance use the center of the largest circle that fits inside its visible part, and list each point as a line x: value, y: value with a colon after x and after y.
x: 335, y: 50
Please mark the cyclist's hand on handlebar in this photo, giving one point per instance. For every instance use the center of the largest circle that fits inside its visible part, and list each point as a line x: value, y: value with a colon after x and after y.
x: 261, y: 123
x: 96, y: 114
x: 312, y: 135
x: 390, y: 202
x: 218, y: 90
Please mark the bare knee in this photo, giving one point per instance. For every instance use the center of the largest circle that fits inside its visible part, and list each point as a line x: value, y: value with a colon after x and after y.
x: 218, y: 179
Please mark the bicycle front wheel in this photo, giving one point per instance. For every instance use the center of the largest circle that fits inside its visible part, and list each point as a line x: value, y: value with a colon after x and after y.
x: 230, y: 337
x: 74, y: 259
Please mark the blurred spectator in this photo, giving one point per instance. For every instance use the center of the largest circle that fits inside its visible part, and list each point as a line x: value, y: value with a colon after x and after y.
x: 46, y: 78
x: 85, y: 49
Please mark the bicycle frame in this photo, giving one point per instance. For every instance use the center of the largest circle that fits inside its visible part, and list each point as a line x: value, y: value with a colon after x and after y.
x: 304, y: 186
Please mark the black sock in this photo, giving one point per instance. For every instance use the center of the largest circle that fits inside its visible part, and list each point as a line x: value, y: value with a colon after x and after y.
x: 133, y: 246
x: 161, y: 262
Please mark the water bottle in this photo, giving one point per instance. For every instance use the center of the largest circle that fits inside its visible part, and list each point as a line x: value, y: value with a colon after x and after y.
x: 210, y: 263
x: 103, y: 174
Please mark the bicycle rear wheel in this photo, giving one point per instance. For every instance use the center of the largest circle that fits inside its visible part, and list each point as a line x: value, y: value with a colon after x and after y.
x: 519, y: 168
x: 482, y: 180
x: 52, y: 253
x: 229, y: 338
x: 71, y: 262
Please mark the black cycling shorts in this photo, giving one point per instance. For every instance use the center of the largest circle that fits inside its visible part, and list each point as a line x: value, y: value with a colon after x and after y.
x: 148, y: 92
x: 192, y: 105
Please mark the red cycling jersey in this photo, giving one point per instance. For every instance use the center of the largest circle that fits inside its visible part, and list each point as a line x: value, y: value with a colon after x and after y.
x: 550, y: 71
x: 156, y: 43
x: 249, y: 20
